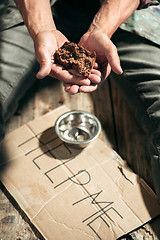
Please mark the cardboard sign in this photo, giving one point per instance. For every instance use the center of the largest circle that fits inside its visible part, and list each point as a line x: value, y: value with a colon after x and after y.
x: 72, y: 193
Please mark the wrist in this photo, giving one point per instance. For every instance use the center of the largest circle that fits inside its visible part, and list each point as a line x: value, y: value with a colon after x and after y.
x: 39, y: 21
x: 105, y: 21
x: 112, y: 14
x: 103, y: 28
x: 34, y: 30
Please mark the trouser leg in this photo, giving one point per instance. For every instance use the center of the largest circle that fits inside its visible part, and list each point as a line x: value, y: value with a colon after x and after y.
x: 140, y: 84
x: 17, y: 69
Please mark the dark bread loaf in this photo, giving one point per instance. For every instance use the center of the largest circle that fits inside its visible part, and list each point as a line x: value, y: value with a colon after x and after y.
x: 72, y: 56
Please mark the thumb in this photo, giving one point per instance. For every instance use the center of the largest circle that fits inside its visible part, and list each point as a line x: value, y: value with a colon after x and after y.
x: 45, y: 69
x: 113, y: 58
x: 44, y: 58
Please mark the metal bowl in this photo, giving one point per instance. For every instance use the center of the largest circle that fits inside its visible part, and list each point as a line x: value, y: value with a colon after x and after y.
x: 77, y: 128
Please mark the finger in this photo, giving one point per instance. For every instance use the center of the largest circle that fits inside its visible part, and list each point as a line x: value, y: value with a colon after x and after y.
x: 64, y: 75
x: 73, y: 89
x: 106, y: 69
x: 96, y: 66
x: 67, y: 86
x: 44, y: 59
x: 94, y: 78
x: 113, y: 58
x: 88, y: 89
x: 45, y: 69
x: 96, y: 72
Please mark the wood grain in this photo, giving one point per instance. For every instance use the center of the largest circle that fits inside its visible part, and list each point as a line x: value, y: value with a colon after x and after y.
x: 131, y: 146
x: 120, y: 131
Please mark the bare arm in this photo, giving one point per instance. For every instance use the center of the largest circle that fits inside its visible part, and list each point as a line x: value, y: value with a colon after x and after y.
x: 111, y: 14
x: 38, y: 19
x: 36, y: 15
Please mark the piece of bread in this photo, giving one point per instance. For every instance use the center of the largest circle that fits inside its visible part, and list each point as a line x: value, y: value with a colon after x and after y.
x: 72, y: 56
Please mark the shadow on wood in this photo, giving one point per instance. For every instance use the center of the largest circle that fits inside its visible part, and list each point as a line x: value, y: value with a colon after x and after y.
x: 120, y: 130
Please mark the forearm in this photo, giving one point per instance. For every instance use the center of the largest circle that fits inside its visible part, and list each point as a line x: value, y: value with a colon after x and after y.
x: 36, y: 15
x: 111, y: 14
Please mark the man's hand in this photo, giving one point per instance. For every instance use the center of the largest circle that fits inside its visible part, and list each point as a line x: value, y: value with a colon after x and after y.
x: 106, y: 52
x: 106, y: 59
x: 109, y: 17
x: 46, y: 43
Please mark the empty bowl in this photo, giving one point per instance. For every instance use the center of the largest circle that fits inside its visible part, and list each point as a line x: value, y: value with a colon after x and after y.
x: 77, y: 128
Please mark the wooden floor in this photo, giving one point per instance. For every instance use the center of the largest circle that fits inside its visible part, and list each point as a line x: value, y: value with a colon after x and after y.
x: 120, y: 130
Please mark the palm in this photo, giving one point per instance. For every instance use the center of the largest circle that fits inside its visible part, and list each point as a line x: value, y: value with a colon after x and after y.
x: 106, y: 52
x: 46, y: 43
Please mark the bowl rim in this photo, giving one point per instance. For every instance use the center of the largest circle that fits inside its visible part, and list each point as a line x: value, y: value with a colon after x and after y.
x: 64, y: 115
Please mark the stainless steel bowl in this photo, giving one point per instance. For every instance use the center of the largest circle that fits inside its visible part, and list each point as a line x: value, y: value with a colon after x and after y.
x: 77, y: 128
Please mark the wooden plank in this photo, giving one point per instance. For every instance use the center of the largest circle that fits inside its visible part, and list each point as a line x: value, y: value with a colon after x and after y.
x: 13, y: 222
x: 131, y: 146
x: 101, y: 99
x: 41, y: 98
x: 117, y: 120
x: 131, y: 140
x: 44, y: 96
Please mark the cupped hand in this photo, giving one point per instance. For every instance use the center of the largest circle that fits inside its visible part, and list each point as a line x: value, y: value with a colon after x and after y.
x: 106, y: 57
x: 95, y: 78
x: 46, y: 43
x: 106, y: 52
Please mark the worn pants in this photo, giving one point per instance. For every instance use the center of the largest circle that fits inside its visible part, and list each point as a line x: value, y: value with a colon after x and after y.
x: 140, y: 85
x: 140, y: 82
x: 17, y: 70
